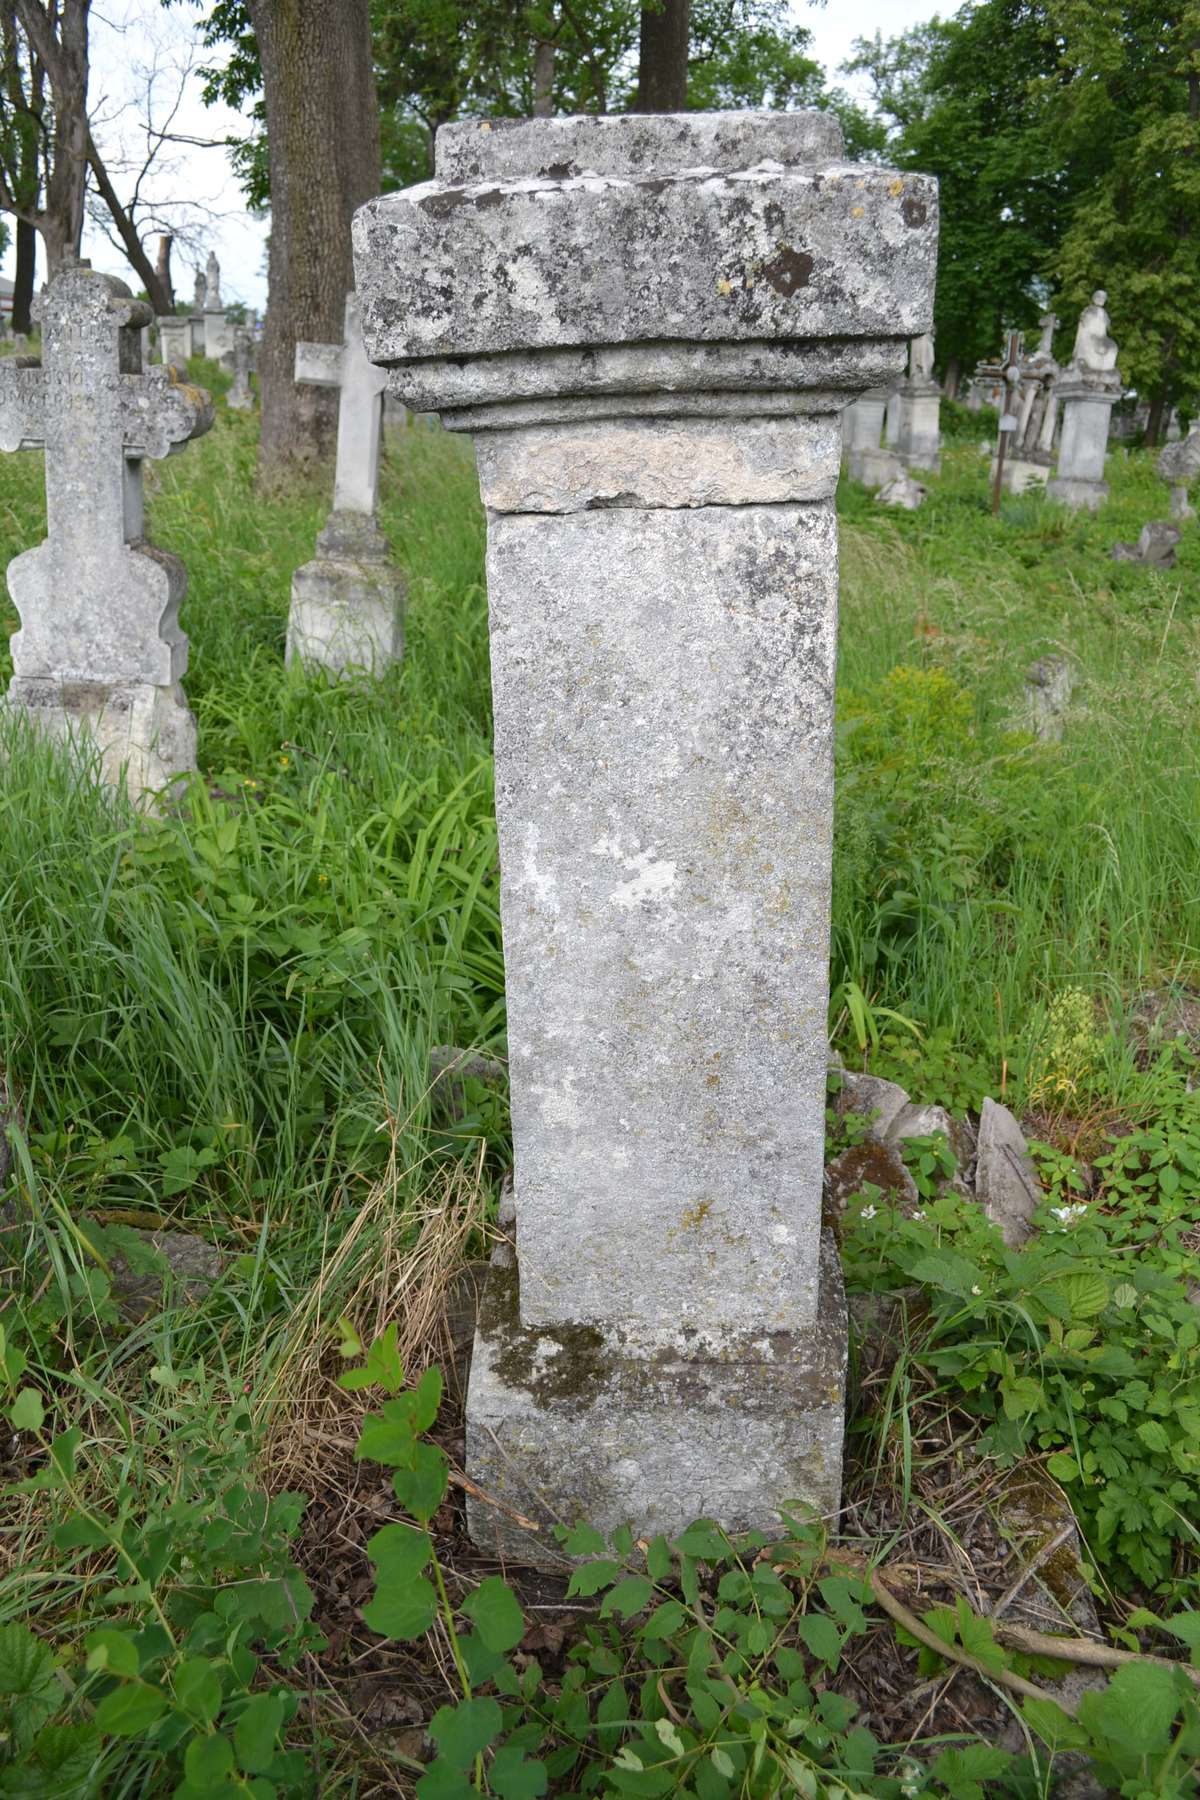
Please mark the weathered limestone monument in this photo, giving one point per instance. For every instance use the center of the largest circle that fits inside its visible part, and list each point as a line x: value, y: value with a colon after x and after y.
x: 347, y: 607
x: 241, y: 394
x: 919, y: 441
x: 1031, y: 453
x: 100, y: 651
x: 651, y: 324
x: 1088, y: 389
x: 1179, y: 463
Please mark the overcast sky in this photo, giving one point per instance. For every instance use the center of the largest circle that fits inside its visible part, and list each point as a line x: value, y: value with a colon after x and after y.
x: 137, y: 45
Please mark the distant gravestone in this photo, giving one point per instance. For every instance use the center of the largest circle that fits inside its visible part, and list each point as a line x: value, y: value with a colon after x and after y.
x: 1179, y: 463
x: 174, y: 335
x: 100, y: 653
x: 866, y: 459
x: 657, y: 434
x: 1088, y: 390
x: 241, y: 394
x: 218, y: 338
x: 348, y: 603
x: 919, y: 443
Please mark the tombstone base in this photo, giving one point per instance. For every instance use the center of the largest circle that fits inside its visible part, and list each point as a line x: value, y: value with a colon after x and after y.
x: 573, y: 1423
x: 348, y: 603
x: 1075, y: 493
x: 874, y: 468
x: 145, y: 735
x: 1021, y: 474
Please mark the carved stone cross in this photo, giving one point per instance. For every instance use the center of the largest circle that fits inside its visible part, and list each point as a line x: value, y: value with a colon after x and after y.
x: 95, y: 605
x: 360, y: 411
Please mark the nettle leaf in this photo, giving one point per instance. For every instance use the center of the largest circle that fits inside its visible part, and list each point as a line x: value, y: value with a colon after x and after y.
x: 947, y: 1270
x: 496, y: 1613
x: 581, y: 1540
x: 422, y: 1488
x: 1137, y: 1709
x: 462, y: 1732
x: 60, y: 1763
x: 29, y: 1687
x: 1086, y: 1294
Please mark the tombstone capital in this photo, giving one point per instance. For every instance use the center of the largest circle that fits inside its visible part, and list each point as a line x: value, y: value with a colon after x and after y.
x: 670, y: 255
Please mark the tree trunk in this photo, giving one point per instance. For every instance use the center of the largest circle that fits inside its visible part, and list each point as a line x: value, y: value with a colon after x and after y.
x: 58, y: 37
x: 543, y: 80
x: 162, y: 268
x: 950, y: 380
x: 323, y: 145
x: 1154, y: 423
x: 24, y: 277
x: 663, y: 57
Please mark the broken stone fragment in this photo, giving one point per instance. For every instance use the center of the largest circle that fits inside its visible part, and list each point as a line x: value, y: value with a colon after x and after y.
x: 191, y: 1266
x: 872, y: 1098
x: 916, y: 1121
x: 1048, y: 685
x: 1155, y: 545
x: 904, y: 492
x: 1006, y: 1182
x: 875, y: 1163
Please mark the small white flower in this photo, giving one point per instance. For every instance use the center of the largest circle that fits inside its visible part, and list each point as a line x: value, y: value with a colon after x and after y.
x: 1067, y: 1215
x: 977, y: 1290
x: 868, y: 1212
x: 918, y: 1215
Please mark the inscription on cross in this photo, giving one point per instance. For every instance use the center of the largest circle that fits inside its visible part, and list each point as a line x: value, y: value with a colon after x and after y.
x: 95, y: 605
x: 360, y: 411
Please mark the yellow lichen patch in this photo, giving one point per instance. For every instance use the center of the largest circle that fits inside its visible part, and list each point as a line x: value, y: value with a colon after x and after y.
x: 896, y: 186
x: 857, y: 212
x: 693, y: 1217
x: 724, y: 287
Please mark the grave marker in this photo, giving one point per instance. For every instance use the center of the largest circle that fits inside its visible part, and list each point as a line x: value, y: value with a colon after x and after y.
x: 1088, y: 389
x: 920, y: 443
x: 241, y: 394
x: 348, y: 603
x: 658, y: 457
x: 218, y: 341
x: 100, y: 651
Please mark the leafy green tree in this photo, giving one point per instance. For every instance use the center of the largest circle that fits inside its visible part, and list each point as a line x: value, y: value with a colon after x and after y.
x: 1130, y: 114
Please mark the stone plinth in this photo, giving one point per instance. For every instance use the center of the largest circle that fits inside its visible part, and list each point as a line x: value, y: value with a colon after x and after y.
x: 240, y: 397
x: 218, y: 335
x: 891, y: 420
x: 347, y: 609
x: 100, y: 651
x: 920, y: 441
x: 1086, y: 409
x: 196, y: 331
x: 658, y: 455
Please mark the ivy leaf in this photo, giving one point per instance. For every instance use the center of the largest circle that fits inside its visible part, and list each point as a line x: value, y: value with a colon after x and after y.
x: 628, y: 1597
x: 462, y: 1732
x: 422, y: 1488
x: 130, y: 1710
x: 513, y: 1777
x: 590, y: 1577
x: 27, y: 1412
x: 818, y: 1633
x: 256, y: 1734
x: 496, y: 1614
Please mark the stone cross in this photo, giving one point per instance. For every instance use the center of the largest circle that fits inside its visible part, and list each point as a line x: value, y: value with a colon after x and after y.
x: 360, y: 411
x: 100, y: 649
x: 658, y: 457
x: 347, y: 608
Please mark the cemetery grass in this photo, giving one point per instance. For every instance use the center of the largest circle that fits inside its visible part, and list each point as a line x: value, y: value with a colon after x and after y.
x: 219, y: 1022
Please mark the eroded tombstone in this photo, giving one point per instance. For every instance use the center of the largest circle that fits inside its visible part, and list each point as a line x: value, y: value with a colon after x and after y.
x: 1179, y: 464
x: 919, y: 443
x: 218, y: 338
x: 348, y: 603
x: 100, y: 652
x: 1088, y: 389
x: 658, y: 456
x: 241, y: 394
x: 866, y: 459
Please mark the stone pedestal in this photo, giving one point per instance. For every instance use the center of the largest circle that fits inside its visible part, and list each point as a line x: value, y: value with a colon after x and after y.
x: 920, y: 440
x: 865, y: 460
x: 347, y: 609
x: 1086, y: 409
x: 144, y: 735
x: 891, y: 420
x: 658, y: 457
x: 196, y: 332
